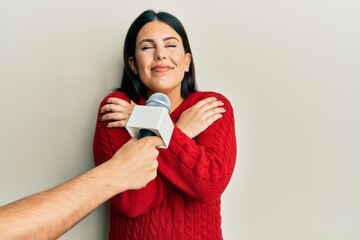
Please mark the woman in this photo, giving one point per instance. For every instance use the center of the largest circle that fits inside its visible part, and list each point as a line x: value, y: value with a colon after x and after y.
x: 183, y: 201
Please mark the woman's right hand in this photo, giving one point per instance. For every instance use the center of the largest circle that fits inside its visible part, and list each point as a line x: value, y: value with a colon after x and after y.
x: 117, y: 112
x: 197, y: 118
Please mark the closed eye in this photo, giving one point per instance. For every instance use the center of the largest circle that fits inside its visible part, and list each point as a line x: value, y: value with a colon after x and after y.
x: 146, y: 48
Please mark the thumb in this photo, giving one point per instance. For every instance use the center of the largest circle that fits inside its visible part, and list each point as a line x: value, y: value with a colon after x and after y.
x: 131, y: 140
x: 155, y: 141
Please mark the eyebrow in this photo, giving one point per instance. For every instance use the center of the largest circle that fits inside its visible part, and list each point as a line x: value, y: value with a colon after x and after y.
x: 152, y: 41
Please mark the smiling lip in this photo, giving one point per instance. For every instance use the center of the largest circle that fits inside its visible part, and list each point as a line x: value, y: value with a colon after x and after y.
x: 161, y: 68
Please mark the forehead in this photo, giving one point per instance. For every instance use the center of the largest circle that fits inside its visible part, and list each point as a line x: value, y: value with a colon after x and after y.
x: 156, y: 30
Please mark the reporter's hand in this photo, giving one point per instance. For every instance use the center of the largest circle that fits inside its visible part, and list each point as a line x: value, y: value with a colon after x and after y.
x: 135, y: 163
x: 196, y: 119
x: 117, y: 112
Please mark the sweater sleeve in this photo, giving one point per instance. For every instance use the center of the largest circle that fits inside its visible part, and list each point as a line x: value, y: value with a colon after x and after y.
x: 106, y: 142
x: 202, y: 167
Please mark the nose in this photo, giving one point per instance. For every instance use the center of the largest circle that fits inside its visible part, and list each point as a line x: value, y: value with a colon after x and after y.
x: 160, y: 54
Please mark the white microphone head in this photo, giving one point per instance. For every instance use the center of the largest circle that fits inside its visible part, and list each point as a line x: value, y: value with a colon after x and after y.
x: 159, y: 100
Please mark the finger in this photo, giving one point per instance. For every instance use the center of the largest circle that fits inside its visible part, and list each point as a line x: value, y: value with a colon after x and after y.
x: 114, y: 117
x: 212, y: 105
x: 131, y: 140
x: 213, y: 115
x: 204, y: 101
x: 118, y: 116
x: 154, y: 141
x: 117, y: 101
x: 116, y: 124
x: 215, y: 103
x: 214, y: 111
x: 113, y: 108
x: 210, y: 120
x: 156, y: 164
x: 106, y: 117
x: 153, y: 174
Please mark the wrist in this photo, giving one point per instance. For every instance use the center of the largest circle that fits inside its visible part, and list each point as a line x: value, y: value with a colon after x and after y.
x: 110, y: 178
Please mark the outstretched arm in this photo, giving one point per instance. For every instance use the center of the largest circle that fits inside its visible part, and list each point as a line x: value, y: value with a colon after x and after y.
x: 49, y: 214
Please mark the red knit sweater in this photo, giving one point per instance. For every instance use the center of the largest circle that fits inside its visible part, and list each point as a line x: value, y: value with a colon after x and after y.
x: 183, y: 201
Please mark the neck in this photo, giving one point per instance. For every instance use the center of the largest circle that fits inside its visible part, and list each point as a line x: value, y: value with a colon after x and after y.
x: 175, y: 102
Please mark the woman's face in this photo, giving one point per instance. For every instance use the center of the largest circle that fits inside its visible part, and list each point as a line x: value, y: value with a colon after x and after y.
x: 160, y: 59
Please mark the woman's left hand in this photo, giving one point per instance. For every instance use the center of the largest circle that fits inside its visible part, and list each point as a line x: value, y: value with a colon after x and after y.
x: 197, y: 118
x: 117, y: 112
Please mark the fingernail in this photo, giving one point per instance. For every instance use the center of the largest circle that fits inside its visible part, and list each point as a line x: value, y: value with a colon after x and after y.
x: 100, y: 119
x: 101, y: 111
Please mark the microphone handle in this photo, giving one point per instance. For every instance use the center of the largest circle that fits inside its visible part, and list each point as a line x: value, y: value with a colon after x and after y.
x: 146, y: 133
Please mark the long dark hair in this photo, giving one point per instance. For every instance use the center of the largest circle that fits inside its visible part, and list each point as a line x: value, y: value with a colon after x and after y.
x: 130, y: 82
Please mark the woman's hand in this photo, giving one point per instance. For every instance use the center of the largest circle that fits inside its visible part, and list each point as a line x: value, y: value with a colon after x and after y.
x: 196, y: 119
x: 117, y: 112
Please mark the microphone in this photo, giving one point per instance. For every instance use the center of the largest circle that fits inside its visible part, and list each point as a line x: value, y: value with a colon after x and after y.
x: 153, y: 119
x: 155, y: 100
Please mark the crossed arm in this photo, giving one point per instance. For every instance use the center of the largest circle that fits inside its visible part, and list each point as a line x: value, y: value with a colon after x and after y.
x: 200, y: 165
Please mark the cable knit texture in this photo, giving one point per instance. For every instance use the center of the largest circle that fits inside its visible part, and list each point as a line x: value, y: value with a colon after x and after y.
x: 183, y: 201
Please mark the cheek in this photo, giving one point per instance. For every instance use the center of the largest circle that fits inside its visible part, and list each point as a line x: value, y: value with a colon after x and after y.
x: 180, y: 59
x: 142, y: 64
x: 183, y: 63
x: 141, y: 59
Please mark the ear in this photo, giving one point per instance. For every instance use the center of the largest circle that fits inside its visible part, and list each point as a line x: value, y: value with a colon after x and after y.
x: 132, y: 65
x: 187, y: 61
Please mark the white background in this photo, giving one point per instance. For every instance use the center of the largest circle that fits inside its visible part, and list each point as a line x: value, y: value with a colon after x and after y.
x: 290, y: 68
